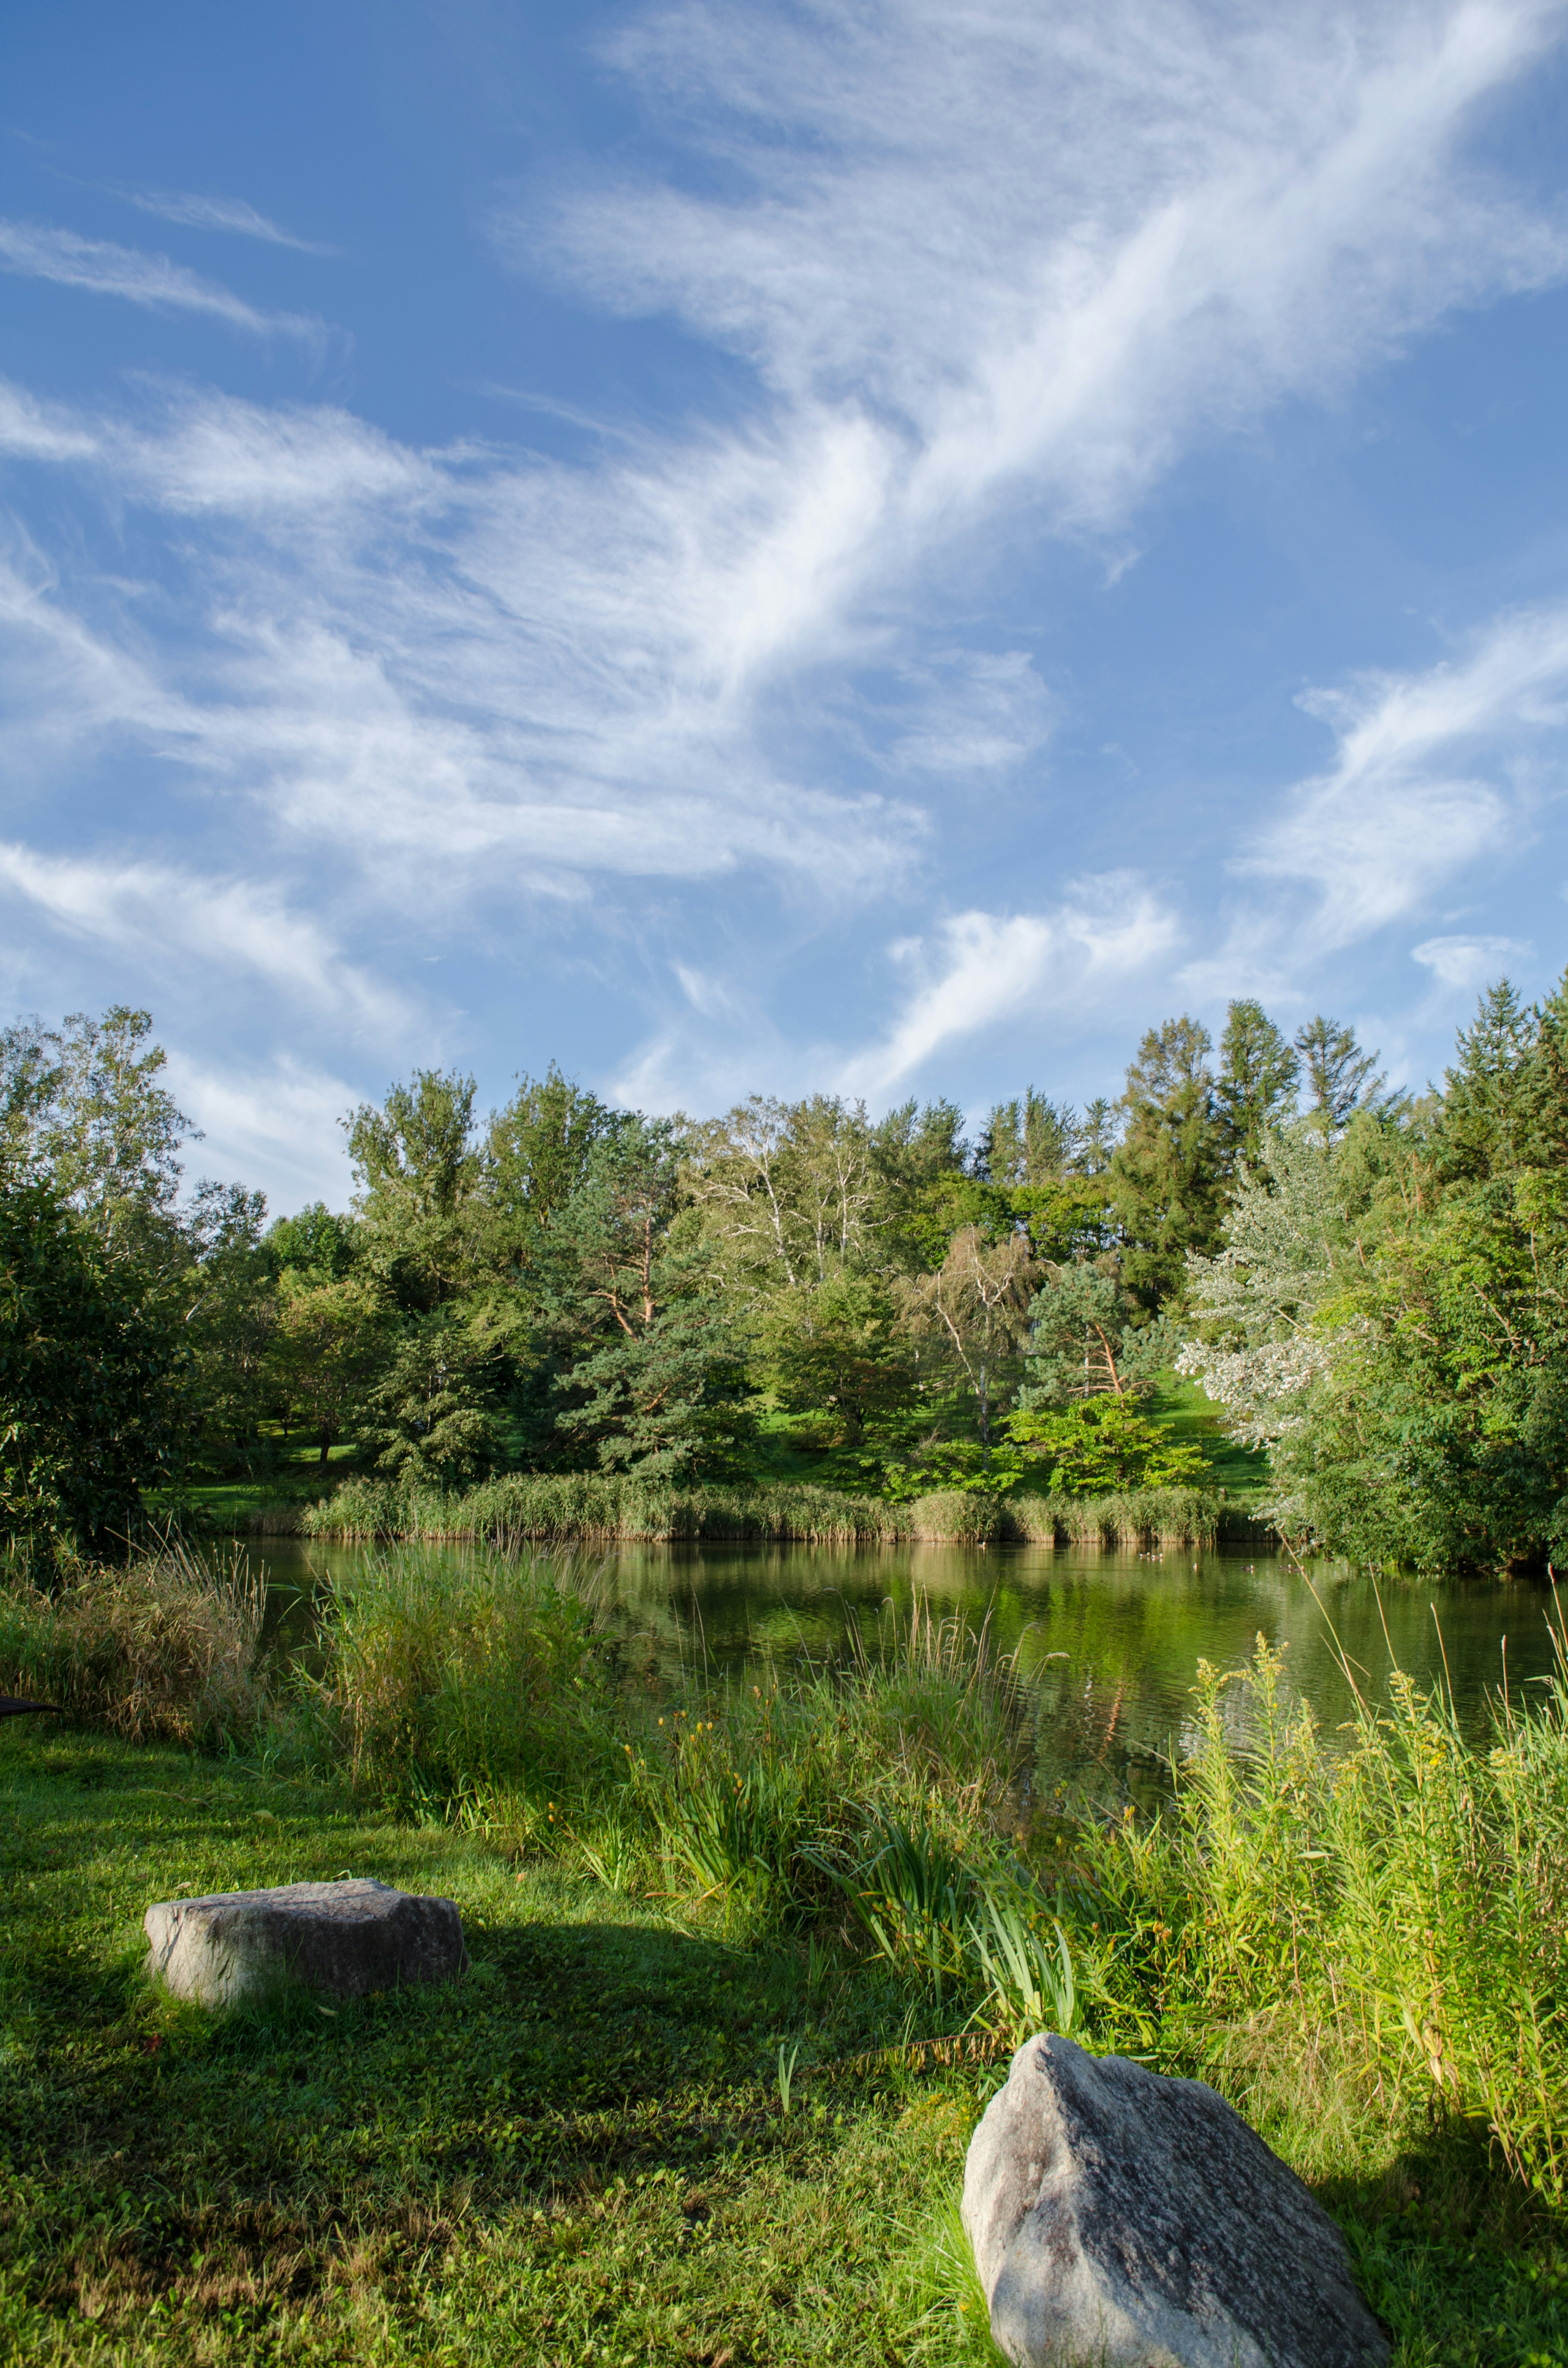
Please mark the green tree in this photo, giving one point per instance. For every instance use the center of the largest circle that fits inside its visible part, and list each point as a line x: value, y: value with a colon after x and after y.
x: 1102, y: 1444
x: 229, y: 1316
x: 1255, y: 1090
x: 537, y: 1155
x: 840, y: 1346
x: 974, y: 1310
x: 1085, y: 1339
x: 1027, y: 1143
x: 657, y: 1381
x: 332, y: 1340
x: 1165, y: 1174
x: 417, y: 1173
x: 85, y: 1107
x: 1340, y: 1077
x: 1504, y: 1105
x: 318, y: 1246
x: 434, y: 1413
x: 89, y: 1402
x: 1098, y: 1134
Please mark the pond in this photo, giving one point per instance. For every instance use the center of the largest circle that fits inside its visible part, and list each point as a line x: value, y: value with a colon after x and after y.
x: 1110, y: 1642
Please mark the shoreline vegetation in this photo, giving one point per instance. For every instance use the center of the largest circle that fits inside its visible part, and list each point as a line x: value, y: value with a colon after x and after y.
x: 563, y: 1506
x: 789, y: 1932
x: 1257, y: 1277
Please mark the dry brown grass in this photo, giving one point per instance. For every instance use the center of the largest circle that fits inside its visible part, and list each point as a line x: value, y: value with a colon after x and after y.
x: 164, y: 1645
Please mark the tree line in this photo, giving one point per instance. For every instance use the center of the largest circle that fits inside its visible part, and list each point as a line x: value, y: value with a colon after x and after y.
x: 1369, y: 1284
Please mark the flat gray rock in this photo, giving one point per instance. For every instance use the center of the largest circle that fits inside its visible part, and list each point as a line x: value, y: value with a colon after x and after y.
x: 345, y: 1938
x: 1128, y: 2221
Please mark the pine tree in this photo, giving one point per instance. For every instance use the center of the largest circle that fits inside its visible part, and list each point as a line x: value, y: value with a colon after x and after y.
x: 1256, y: 1091
x: 1341, y: 1078
x: 1165, y: 1175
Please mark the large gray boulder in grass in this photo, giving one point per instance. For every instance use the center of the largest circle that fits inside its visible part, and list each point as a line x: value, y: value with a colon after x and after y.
x: 1128, y: 2221
x: 345, y: 1938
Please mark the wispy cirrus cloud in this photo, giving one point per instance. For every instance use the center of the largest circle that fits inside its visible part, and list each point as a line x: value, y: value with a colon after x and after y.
x: 1463, y: 961
x: 279, y: 1118
x: 231, y: 214
x: 1420, y: 786
x: 39, y: 251
x: 171, y: 917
x: 986, y: 271
x: 1051, y: 968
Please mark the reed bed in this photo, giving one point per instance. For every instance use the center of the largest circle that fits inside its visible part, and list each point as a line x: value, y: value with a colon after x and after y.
x: 164, y: 1645
x: 523, y: 1507
x: 1371, y: 1936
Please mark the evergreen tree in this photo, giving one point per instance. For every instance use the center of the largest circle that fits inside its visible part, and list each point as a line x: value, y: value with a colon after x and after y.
x: 1085, y: 1339
x: 1027, y: 1143
x: 1097, y: 1138
x: 1340, y: 1077
x: 654, y: 1375
x: 1166, y: 1171
x: 1255, y: 1090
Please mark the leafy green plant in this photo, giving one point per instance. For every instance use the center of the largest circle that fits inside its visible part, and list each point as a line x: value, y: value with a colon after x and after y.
x: 1030, y: 1975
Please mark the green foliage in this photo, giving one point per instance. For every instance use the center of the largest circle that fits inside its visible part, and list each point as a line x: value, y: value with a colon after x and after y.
x: 1166, y: 1172
x: 1027, y: 1143
x: 659, y: 1382
x: 597, y: 1505
x: 437, y: 1673
x: 330, y: 1344
x: 83, y: 1107
x: 433, y: 1416
x: 1378, y: 1914
x: 90, y: 1409
x: 1390, y: 1315
x: 537, y: 1156
x: 1085, y: 1339
x: 1102, y: 1444
x: 316, y: 1246
x: 230, y: 1313
x: 1341, y: 1078
x: 840, y: 1344
x: 1255, y: 1093
x: 417, y: 1171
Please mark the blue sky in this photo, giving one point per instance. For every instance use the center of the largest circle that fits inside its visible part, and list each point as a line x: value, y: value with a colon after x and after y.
x: 880, y: 548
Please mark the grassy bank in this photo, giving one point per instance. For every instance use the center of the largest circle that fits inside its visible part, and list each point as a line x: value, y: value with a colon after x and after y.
x: 541, y: 1507
x: 673, y: 2115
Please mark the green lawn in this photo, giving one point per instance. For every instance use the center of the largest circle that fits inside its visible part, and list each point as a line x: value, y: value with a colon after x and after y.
x: 1184, y: 1411
x: 577, y: 2154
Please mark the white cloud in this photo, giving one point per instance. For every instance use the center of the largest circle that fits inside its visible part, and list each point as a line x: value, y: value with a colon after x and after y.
x: 38, y: 431
x: 987, y: 263
x: 39, y: 251
x: 1414, y: 796
x: 983, y: 968
x: 170, y: 917
x: 1469, y: 961
x: 275, y: 1124
x: 975, y: 712
x: 221, y: 214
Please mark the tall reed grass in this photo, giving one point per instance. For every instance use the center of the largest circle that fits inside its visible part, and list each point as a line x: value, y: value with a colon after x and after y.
x: 553, y: 1506
x: 163, y: 1645
x: 1375, y: 1933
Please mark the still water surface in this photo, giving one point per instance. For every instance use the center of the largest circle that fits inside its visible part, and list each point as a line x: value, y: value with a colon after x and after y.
x: 1110, y: 1642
